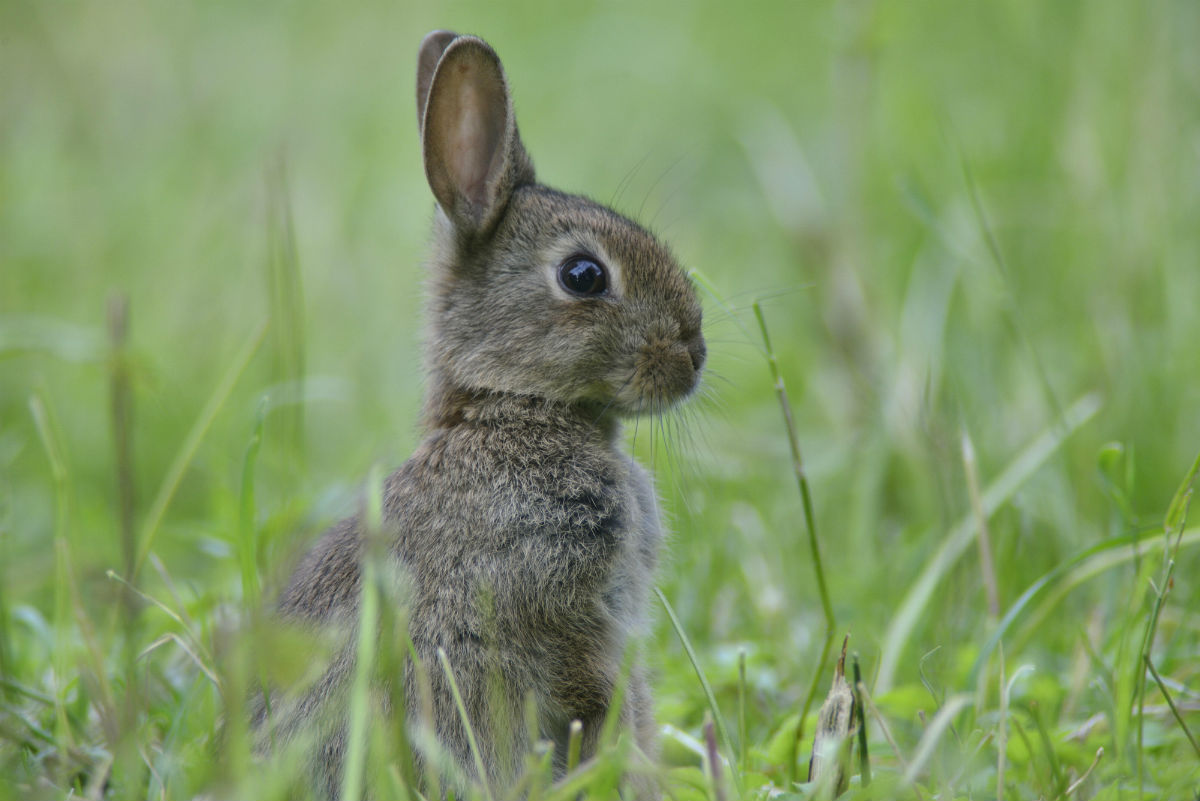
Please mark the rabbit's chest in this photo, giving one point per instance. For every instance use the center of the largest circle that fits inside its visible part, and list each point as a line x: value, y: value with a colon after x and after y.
x: 563, y: 542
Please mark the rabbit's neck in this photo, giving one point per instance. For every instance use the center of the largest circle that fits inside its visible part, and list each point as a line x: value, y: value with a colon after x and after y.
x: 449, y: 407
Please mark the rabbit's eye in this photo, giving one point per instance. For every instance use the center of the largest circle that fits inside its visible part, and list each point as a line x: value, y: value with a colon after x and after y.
x: 581, y: 275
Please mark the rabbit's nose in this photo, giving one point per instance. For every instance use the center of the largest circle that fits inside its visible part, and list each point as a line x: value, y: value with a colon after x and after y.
x: 698, y: 352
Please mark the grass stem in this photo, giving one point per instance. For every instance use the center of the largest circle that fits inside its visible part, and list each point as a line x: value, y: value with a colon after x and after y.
x: 864, y: 757
x: 574, y: 744
x: 472, y: 743
x: 1171, y: 703
x: 1175, y: 522
x: 960, y: 537
x: 987, y: 568
x: 811, y: 526
x: 191, y: 444
x: 365, y: 648
x: 861, y: 689
x: 742, y: 710
x: 718, y: 718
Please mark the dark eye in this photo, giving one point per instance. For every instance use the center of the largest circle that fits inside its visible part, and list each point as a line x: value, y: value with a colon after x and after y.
x: 585, y: 276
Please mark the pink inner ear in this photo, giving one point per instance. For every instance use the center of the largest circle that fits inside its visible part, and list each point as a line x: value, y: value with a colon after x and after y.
x: 475, y: 141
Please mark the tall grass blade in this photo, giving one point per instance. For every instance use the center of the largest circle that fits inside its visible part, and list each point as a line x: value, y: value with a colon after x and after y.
x: 121, y: 419
x: 1070, y: 574
x: 472, y: 743
x: 810, y: 525
x: 368, y: 634
x: 742, y: 745
x: 7, y: 665
x: 962, y: 534
x: 285, y: 307
x: 860, y: 716
x: 1012, y: 310
x: 1171, y: 703
x: 714, y: 761
x: 1175, y: 522
x: 574, y: 743
x: 247, y: 532
x: 933, y: 734
x: 62, y: 640
x: 121, y: 422
x: 718, y: 718
x: 987, y: 568
x: 191, y: 444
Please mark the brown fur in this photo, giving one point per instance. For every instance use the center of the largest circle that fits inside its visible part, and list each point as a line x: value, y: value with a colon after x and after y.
x: 527, y: 537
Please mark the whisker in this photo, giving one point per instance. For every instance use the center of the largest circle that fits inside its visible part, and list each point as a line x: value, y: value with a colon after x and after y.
x: 679, y: 185
x: 636, y: 424
x: 658, y: 181
x: 625, y: 181
x: 713, y: 375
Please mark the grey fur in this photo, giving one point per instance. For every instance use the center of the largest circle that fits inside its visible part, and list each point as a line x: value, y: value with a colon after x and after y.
x: 528, y: 539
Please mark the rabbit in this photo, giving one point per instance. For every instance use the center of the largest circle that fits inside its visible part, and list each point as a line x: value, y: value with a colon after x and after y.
x: 527, y: 538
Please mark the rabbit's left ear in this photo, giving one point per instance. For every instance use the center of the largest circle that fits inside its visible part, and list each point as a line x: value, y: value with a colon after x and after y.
x: 432, y: 47
x: 473, y: 155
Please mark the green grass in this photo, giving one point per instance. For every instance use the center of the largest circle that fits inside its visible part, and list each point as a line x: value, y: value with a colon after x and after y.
x: 962, y: 223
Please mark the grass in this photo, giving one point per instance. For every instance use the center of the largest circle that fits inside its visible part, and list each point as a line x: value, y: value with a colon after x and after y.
x: 962, y: 224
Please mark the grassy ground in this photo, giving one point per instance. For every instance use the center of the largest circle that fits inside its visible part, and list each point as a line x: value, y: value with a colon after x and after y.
x: 973, y: 232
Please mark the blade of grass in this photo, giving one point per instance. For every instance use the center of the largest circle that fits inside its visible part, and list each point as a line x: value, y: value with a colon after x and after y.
x: 539, y: 769
x: 1056, y: 777
x: 810, y: 525
x: 121, y: 420
x: 7, y: 666
x: 1174, y: 522
x: 1075, y: 785
x: 742, y: 710
x: 933, y: 734
x: 368, y: 633
x: 68, y: 603
x: 472, y: 743
x: 1033, y: 772
x: 191, y: 444
x: 887, y: 731
x: 285, y: 306
x: 197, y: 641
x: 987, y: 567
x: 960, y: 537
x: 1002, y: 730
x: 247, y: 534
x: 171, y: 636
x: 1066, y: 576
x: 714, y: 761
x: 864, y: 758
x: 610, y: 727
x: 63, y: 736
x: 718, y: 718
x: 1171, y: 703
x: 574, y: 743
x: 1013, y: 312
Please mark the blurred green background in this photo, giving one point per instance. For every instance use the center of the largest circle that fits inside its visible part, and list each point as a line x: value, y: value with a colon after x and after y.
x: 959, y: 217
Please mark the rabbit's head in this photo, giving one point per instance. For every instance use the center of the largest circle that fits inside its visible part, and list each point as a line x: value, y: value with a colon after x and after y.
x: 537, y: 292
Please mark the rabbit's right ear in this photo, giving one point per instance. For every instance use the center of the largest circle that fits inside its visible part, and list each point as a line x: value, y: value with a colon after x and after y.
x: 474, y: 158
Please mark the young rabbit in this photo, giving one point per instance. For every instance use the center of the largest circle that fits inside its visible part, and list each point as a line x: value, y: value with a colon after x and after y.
x: 527, y: 538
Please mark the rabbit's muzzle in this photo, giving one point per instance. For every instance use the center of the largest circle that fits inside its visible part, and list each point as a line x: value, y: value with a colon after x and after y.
x: 665, y: 371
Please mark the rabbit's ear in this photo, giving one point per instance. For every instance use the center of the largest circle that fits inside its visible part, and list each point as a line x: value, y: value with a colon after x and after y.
x: 432, y: 47
x: 473, y: 156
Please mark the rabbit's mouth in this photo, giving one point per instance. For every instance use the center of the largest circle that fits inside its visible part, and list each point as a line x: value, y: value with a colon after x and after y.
x: 662, y: 373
